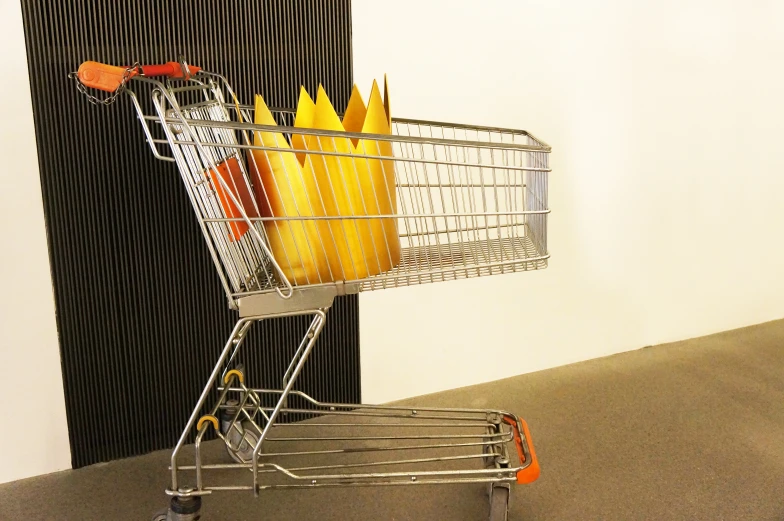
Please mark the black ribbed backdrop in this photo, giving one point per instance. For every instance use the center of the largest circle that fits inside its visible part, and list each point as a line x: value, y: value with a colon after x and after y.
x: 140, y: 311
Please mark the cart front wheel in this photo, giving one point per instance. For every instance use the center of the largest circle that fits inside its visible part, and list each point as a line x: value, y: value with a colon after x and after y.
x: 181, y: 509
x: 499, y: 503
x: 488, y: 457
x: 245, y: 442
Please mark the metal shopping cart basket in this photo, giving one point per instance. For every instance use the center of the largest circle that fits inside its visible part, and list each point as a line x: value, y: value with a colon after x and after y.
x: 468, y: 202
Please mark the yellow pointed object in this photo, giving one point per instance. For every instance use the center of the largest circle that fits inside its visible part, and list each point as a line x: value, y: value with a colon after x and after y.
x: 351, y: 180
x: 386, y: 103
x: 283, y: 189
x: 306, y: 111
x: 354, y: 117
x: 378, y: 181
x: 339, y: 182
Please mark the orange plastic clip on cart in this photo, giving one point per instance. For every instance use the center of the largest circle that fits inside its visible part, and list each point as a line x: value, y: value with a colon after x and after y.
x: 422, y: 202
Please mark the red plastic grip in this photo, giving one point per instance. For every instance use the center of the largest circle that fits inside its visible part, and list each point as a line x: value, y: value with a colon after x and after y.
x: 169, y: 69
x: 109, y: 77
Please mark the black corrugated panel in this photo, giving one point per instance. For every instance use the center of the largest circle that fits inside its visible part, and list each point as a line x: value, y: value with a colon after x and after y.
x: 140, y: 311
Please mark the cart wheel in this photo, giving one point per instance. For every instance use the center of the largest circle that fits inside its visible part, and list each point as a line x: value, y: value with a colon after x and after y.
x: 181, y: 509
x: 488, y: 460
x: 246, y: 442
x: 489, y: 463
x: 499, y: 503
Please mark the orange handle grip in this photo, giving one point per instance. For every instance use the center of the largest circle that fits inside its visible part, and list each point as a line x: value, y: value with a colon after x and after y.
x: 169, y: 69
x: 109, y: 77
x: 101, y: 76
x: 531, y: 472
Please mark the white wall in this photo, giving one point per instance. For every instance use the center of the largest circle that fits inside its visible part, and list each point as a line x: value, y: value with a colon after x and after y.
x: 666, y: 120
x: 34, y: 437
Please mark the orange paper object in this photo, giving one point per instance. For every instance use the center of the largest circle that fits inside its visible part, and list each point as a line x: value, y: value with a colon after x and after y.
x: 231, y: 174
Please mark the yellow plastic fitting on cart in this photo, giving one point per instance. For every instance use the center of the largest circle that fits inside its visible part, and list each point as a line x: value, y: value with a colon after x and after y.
x: 208, y: 418
x: 234, y: 372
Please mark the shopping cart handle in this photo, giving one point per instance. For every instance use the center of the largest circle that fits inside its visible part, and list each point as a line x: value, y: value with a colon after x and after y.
x: 170, y: 70
x: 525, y: 449
x: 103, y: 77
x: 109, y: 78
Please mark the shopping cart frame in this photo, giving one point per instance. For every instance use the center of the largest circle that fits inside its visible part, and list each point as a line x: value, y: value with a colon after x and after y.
x: 202, y: 134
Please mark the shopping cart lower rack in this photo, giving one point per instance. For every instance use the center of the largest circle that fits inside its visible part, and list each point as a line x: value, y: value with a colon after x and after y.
x: 294, y: 217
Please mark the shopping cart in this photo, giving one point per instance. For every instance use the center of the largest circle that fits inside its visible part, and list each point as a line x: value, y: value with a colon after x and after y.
x: 467, y: 202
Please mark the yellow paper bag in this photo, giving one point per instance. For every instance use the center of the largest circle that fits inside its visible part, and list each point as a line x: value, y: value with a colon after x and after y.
x: 349, y: 181
x: 339, y: 183
x: 284, y: 189
x: 331, y: 232
x: 354, y: 185
x: 354, y: 117
x: 379, y: 190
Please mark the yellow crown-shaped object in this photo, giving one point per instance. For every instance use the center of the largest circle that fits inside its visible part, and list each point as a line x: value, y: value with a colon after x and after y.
x: 298, y: 181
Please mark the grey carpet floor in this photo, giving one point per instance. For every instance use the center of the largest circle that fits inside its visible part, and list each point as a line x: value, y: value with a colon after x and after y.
x: 692, y: 430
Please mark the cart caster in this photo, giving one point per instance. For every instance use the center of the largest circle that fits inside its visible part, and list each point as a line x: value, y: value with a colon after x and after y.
x: 242, y: 435
x: 181, y: 509
x: 245, y: 441
x: 499, y: 502
x: 488, y: 457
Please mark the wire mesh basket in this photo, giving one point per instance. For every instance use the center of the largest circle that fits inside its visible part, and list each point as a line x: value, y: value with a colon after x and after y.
x: 469, y: 201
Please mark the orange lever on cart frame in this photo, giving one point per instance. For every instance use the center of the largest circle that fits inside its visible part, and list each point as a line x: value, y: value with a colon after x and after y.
x: 101, y: 76
x: 530, y: 473
x: 109, y: 77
